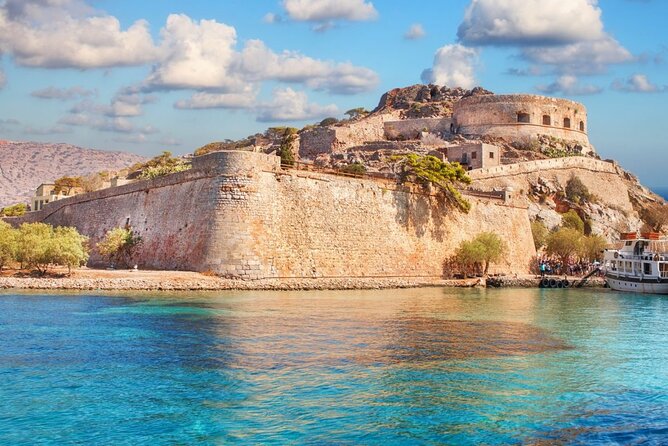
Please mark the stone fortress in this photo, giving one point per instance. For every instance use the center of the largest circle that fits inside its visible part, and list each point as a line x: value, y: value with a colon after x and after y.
x: 240, y: 214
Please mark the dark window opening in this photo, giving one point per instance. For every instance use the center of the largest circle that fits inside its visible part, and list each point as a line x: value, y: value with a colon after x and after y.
x: 474, y: 155
x: 567, y: 123
x: 523, y: 117
x: 547, y: 120
x: 582, y: 126
x: 647, y: 268
x: 491, y: 155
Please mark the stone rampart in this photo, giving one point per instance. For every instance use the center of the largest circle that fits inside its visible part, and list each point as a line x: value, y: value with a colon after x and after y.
x: 411, y: 128
x: 527, y: 167
x: 522, y: 116
x: 239, y: 215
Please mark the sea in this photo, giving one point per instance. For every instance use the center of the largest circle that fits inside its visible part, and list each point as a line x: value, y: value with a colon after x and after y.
x: 662, y: 191
x: 411, y: 366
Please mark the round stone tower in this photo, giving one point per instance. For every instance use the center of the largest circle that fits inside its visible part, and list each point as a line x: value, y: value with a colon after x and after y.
x: 517, y: 117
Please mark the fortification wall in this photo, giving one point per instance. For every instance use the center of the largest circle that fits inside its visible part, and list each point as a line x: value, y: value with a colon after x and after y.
x: 238, y: 214
x: 411, y: 128
x: 522, y: 116
x: 350, y: 134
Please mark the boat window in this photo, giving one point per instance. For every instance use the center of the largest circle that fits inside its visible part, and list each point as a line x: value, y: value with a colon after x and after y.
x: 628, y: 243
x: 647, y: 268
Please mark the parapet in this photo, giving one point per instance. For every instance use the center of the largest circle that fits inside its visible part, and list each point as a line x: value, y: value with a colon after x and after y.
x: 235, y: 162
x: 518, y: 116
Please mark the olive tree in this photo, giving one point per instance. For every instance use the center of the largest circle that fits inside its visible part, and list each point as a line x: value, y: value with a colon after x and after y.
x: 8, y: 244
x: 564, y: 243
x: 41, y: 245
x: 484, y: 249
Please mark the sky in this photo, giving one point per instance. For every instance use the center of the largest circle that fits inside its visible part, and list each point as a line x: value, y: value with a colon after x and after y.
x: 148, y: 76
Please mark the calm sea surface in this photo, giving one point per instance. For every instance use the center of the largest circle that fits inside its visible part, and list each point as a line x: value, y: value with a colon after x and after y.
x: 421, y: 366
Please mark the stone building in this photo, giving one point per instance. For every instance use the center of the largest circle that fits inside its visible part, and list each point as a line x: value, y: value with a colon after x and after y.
x: 45, y: 194
x: 519, y: 117
x: 475, y: 155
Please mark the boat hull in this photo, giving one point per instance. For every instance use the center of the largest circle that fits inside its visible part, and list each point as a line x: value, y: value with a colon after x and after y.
x: 637, y: 286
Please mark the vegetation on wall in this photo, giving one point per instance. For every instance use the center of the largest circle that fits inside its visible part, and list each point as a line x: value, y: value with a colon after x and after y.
x: 354, y: 169
x: 119, y: 246
x: 163, y: 164
x: 476, y: 255
x: 15, y: 210
x: 576, y: 191
x: 431, y: 170
x: 285, y: 149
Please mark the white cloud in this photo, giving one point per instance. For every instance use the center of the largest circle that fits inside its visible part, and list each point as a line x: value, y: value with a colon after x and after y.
x: 415, y: 32
x: 129, y: 104
x: 290, y: 105
x: 530, y: 22
x: 202, y: 56
x: 568, y: 85
x: 638, y: 83
x: 270, y: 17
x: 204, y: 100
x: 104, y: 124
x: 62, y: 94
x: 328, y: 10
x: 454, y: 66
x: 588, y: 57
x: 69, y: 34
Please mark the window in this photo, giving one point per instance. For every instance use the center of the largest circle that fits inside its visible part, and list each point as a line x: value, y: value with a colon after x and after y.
x: 647, y: 268
x: 582, y: 126
x: 523, y: 117
x: 474, y: 155
x: 491, y: 155
x: 567, y: 123
x: 547, y: 120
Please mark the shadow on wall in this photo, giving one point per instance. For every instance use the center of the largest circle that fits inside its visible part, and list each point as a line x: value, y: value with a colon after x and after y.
x: 421, y: 212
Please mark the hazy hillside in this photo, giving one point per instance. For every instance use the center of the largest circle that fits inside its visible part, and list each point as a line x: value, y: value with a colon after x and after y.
x: 25, y: 165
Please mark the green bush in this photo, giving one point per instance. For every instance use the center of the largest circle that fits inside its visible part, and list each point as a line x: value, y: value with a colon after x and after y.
x: 576, y: 191
x: 8, y: 244
x: 572, y: 220
x: 15, y: 210
x: 479, y: 253
x: 354, y: 168
x: 539, y: 233
x: 119, y: 246
x: 41, y: 245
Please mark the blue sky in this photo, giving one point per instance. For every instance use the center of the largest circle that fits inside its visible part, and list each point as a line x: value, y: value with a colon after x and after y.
x: 174, y: 75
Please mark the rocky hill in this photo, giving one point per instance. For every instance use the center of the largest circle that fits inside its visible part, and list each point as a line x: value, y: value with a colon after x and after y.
x: 424, y: 101
x: 25, y: 165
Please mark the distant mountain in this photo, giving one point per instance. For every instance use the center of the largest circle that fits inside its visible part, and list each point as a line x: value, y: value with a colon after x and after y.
x: 26, y: 165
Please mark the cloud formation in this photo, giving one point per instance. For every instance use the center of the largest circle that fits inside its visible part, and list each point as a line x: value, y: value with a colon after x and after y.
x: 69, y: 34
x: 415, y: 32
x: 62, y: 94
x: 569, y: 85
x: 530, y: 22
x: 290, y: 105
x: 329, y: 10
x: 638, y: 83
x: 204, y: 100
x: 454, y: 66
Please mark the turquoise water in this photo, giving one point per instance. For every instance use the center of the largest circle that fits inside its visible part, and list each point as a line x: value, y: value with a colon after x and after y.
x: 421, y: 366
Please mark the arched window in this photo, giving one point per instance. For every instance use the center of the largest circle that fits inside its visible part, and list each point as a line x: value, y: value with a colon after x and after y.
x: 547, y: 120
x: 582, y: 126
x: 567, y: 123
x: 523, y: 117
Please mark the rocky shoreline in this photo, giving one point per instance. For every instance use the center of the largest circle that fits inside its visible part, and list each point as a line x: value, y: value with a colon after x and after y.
x: 208, y: 283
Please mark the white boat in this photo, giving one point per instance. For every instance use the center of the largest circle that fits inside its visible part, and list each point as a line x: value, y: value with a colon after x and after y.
x: 639, y: 265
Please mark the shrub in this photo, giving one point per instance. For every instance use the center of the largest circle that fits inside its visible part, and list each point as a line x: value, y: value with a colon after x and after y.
x: 354, y: 168
x: 564, y: 243
x: 592, y: 247
x: 15, y: 210
x: 65, y: 185
x: 119, y: 246
x: 572, y: 220
x: 539, y: 233
x: 8, y: 244
x: 576, y: 191
x: 163, y: 164
x: 40, y: 245
x: 479, y: 253
x: 431, y: 170
x: 328, y: 121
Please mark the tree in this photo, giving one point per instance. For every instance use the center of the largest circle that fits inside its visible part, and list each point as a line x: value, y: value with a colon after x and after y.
x: 70, y: 248
x: 356, y: 112
x: 119, y: 245
x: 572, y: 220
x: 285, y: 149
x: 15, y: 210
x: 328, y: 121
x: 431, y: 170
x: 8, y: 244
x: 592, y: 247
x: 564, y: 243
x: 65, y: 185
x: 539, y: 233
x: 484, y: 249
x: 576, y: 191
x: 655, y: 216
x: 40, y: 245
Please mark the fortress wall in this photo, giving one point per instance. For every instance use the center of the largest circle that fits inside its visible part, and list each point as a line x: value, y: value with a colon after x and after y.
x: 238, y: 214
x: 305, y: 225
x: 497, y: 115
x: 410, y: 128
